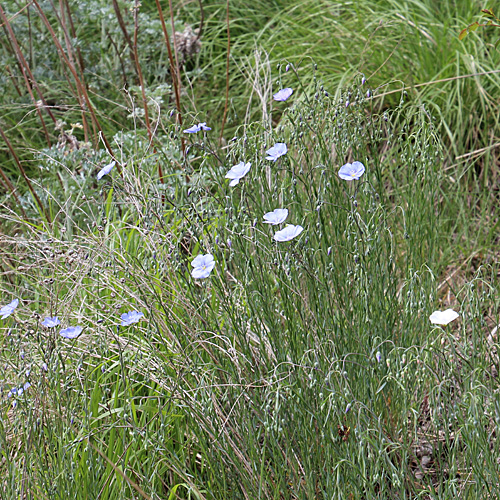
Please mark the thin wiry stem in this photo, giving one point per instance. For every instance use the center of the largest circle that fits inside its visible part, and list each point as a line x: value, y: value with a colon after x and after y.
x: 69, y: 47
x: 8, y: 186
x: 227, y: 70
x: 173, y: 71
x: 77, y: 80
x: 27, y: 75
x: 123, y: 27
x: 81, y: 63
x: 139, y: 70
x: 23, y: 173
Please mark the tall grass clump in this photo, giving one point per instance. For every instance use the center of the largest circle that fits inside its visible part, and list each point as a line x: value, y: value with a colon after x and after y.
x: 75, y: 75
x: 300, y: 369
x: 160, y: 339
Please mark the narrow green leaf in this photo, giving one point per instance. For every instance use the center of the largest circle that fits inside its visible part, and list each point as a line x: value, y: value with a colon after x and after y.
x: 462, y: 34
x: 473, y: 27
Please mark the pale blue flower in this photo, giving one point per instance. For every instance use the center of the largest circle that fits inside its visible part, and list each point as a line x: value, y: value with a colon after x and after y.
x: 106, y: 170
x: 26, y: 386
x: 238, y: 172
x: 279, y: 149
x: 378, y: 356
x: 352, y: 171
x: 71, y: 333
x: 51, y: 322
x: 7, y: 310
x: 203, y: 265
x: 196, y: 128
x: 45, y: 368
x: 192, y: 130
x: 277, y: 216
x: 131, y: 317
x: 288, y: 233
x: 283, y: 94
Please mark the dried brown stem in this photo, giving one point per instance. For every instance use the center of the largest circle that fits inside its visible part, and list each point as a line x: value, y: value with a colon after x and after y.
x: 64, y: 4
x: 69, y: 48
x: 141, y: 82
x: 139, y: 70
x: 27, y: 75
x: 173, y: 68
x: 78, y: 82
x: 202, y: 20
x: 123, y: 27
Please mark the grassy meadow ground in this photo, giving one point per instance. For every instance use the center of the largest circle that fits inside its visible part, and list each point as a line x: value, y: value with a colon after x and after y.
x: 301, y: 369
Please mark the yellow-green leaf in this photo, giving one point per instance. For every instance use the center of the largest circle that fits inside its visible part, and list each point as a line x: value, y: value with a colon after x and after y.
x: 473, y: 27
x: 462, y: 34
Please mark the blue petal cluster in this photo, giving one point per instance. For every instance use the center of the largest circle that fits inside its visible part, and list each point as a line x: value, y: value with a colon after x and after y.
x: 7, y: 310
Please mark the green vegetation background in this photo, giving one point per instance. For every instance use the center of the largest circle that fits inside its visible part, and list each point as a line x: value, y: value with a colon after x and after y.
x: 302, y: 370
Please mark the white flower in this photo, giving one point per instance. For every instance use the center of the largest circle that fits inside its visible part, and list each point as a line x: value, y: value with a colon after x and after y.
x: 238, y: 172
x: 443, y: 317
x: 289, y: 233
x: 276, y: 216
x: 278, y: 150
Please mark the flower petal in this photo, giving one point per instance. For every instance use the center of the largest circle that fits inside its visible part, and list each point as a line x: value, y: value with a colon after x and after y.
x: 351, y: 171
x: 105, y: 170
x: 279, y: 149
x: 238, y: 172
x: 288, y: 233
x: 7, y: 310
x: 202, y: 260
x: 193, y: 129
x: 130, y: 318
x: 443, y: 317
x: 203, y: 266
x: 51, y: 322
x: 283, y: 94
x: 71, y: 332
x: 277, y: 216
